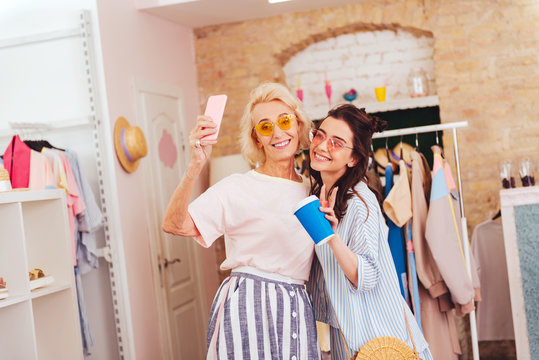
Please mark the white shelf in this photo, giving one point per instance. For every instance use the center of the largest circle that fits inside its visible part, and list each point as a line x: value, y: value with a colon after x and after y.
x: 36, y: 235
x: 11, y: 300
x: 47, y: 291
x: 30, y: 195
x: 399, y: 104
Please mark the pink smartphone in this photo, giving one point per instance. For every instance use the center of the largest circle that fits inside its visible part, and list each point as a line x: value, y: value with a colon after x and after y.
x: 215, y: 109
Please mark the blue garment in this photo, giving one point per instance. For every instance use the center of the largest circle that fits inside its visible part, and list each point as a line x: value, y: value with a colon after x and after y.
x: 88, y: 222
x: 396, y: 241
x: 375, y: 308
x: 86, y: 333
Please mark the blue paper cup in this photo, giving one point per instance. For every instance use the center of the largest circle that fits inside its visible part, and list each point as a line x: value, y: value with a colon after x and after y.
x: 313, y: 220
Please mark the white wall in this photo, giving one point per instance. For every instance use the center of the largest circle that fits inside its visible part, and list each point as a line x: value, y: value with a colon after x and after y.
x: 137, y: 45
x: 362, y: 61
x: 46, y: 82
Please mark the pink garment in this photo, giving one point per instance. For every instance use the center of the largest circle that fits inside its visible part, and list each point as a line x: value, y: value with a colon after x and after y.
x: 255, y: 213
x: 427, y: 270
x: 75, y: 204
x: 494, y: 317
x: 17, y: 162
x: 438, y: 325
x: 444, y: 237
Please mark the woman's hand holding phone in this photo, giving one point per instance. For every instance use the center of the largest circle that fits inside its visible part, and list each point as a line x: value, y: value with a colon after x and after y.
x: 204, y: 135
x: 200, y: 147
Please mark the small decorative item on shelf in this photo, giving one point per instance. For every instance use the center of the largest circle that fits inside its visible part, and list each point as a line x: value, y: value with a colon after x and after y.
x: 36, y: 274
x: 506, y: 175
x: 418, y: 83
x: 5, y: 183
x: 526, y: 172
x: 350, y: 95
x: 38, y: 279
x: 380, y: 93
x: 3, y: 289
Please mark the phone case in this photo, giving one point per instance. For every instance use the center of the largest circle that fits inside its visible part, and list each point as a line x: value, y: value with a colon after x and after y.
x: 215, y: 109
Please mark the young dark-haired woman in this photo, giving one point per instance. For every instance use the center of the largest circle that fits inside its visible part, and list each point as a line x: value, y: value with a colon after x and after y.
x: 353, y: 280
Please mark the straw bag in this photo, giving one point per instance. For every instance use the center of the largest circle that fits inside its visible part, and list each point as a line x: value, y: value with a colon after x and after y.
x: 385, y: 347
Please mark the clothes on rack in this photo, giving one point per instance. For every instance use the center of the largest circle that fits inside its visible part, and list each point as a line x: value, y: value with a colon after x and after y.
x: 17, y: 162
x: 494, y: 317
x: 438, y: 326
x: 54, y: 168
x: 75, y: 204
x: 87, y: 336
x: 88, y: 221
x: 444, y: 237
x: 396, y: 240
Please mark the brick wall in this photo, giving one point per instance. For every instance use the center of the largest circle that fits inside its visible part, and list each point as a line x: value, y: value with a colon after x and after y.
x: 486, y: 69
x: 361, y: 60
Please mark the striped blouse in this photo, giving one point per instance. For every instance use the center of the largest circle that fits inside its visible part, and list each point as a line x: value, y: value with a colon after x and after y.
x: 375, y: 307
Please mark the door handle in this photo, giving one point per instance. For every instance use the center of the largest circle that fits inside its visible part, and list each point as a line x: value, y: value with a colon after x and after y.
x: 168, y: 262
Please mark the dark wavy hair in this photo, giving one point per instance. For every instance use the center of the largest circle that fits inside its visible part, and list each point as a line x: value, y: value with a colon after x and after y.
x: 363, y: 126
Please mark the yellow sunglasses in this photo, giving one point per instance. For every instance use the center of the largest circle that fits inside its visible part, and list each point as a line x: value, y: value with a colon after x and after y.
x: 284, y: 122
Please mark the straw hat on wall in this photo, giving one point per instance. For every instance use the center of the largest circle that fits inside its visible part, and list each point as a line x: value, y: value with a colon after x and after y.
x: 129, y: 143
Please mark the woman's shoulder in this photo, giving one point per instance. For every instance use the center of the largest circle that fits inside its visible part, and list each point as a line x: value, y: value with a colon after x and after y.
x: 365, y: 205
x: 366, y: 194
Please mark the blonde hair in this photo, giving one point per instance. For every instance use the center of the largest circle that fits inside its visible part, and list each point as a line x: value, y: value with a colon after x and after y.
x: 265, y: 93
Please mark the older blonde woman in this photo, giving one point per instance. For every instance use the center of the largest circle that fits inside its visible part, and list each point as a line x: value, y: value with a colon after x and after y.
x: 262, y: 310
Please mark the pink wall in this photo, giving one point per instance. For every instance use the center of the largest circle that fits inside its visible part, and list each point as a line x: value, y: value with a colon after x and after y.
x: 142, y: 46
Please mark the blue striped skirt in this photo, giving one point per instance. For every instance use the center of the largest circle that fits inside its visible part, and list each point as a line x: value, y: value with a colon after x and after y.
x: 257, y: 315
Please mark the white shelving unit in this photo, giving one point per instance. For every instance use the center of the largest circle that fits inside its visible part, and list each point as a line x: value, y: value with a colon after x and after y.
x: 42, y: 323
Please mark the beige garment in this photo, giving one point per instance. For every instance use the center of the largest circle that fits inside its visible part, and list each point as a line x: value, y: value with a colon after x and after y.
x: 444, y: 237
x: 427, y: 270
x: 439, y: 328
x: 437, y: 319
x: 398, y: 203
x: 494, y: 317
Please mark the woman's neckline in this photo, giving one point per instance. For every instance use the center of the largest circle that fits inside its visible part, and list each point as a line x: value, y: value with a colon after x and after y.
x: 276, y: 178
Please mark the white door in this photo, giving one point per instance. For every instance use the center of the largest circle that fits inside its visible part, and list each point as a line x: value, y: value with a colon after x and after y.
x: 175, y: 258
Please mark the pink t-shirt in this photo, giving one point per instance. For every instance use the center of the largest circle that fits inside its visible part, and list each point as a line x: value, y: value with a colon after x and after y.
x: 255, y: 213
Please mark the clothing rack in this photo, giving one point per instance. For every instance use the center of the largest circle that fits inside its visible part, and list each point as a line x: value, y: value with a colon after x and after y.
x: 17, y: 127
x: 435, y: 128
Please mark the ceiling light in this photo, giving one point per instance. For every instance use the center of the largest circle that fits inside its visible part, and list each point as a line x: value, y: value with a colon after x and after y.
x: 276, y: 1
